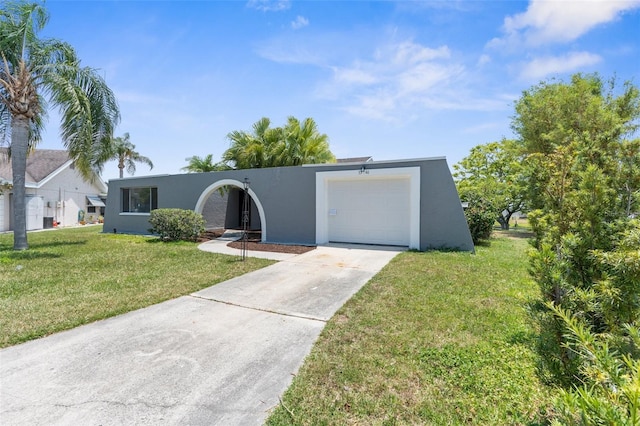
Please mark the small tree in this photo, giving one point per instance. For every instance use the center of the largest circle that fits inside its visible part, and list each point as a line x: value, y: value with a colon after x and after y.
x: 495, y: 171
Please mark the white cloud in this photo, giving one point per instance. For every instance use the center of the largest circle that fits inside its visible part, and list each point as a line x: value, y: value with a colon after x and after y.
x: 354, y: 76
x: 269, y: 5
x: 399, y: 80
x: 291, y: 54
x: 546, y: 22
x: 300, y: 22
x: 483, y: 60
x: 408, y: 53
x: 541, y: 67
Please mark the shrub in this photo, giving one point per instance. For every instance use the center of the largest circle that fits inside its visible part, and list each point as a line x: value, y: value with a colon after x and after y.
x: 481, y: 217
x: 176, y: 224
x: 610, y: 389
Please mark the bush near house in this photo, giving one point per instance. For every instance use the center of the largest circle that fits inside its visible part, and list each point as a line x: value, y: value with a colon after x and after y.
x: 481, y: 216
x: 176, y: 224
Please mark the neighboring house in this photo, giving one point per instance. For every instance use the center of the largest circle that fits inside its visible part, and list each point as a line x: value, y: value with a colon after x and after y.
x: 354, y: 160
x: 55, y: 191
x: 409, y: 203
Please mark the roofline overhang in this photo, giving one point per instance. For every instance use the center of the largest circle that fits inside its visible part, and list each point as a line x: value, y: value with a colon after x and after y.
x: 102, y: 186
x: 368, y: 163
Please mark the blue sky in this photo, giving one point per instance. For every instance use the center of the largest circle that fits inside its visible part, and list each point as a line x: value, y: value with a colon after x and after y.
x: 389, y: 79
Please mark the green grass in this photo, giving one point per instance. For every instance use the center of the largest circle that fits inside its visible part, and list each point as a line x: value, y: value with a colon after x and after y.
x: 435, y: 338
x: 70, y: 277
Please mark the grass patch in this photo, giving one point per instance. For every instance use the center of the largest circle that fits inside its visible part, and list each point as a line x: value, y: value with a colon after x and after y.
x: 435, y: 338
x: 70, y: 277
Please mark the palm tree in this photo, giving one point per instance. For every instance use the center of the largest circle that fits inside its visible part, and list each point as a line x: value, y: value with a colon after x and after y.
x: 206, y: 164
x: 303, y: 144
x: 34, y: 71
x: 252, y: 150
x: 125, y: 152
x: 292, y: 145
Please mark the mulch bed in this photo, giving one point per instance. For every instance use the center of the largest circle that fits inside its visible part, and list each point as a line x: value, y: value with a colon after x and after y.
x: 254, y: 244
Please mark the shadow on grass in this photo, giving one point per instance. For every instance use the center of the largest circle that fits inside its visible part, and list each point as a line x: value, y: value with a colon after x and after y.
x: 514, y: 234
x: 483, y: 243
x: 55, y: 243
x: 35, y: 250
x: 27, y: 255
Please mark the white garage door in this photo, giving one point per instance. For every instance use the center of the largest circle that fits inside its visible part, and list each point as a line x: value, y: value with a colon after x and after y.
x: 369, y: 211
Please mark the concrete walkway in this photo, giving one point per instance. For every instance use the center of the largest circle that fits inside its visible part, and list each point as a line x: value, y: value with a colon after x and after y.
x: 221, y: 356
x: 219, y: 245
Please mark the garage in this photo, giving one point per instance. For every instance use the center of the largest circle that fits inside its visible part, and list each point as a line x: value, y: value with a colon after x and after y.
x: 369, y: 211
x: 378, y: 206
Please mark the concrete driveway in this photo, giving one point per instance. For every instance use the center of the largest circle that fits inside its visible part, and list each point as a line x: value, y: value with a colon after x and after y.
x: 221, y: 356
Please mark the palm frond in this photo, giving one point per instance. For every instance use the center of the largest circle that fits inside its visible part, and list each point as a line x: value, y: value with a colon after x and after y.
x: 89, y: 112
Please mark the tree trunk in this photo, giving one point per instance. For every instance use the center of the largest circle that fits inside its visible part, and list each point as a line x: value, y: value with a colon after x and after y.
x: 504, y: 224
x: 19, y: 149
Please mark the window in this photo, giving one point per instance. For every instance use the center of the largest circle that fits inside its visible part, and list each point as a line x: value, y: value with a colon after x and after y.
x: 93, y: 202
x: 139, y: 200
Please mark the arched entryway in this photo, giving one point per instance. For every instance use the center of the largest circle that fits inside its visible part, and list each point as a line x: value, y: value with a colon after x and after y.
x: 211, y: 190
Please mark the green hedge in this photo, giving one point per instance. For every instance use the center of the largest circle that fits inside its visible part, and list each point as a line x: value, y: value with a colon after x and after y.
x: 176, y: 224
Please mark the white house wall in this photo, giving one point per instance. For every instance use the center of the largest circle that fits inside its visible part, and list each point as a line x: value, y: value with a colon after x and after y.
x: 4, y: 207
x: 65, y: 195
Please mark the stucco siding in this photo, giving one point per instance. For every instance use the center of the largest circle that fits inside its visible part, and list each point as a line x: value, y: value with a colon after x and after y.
x: 443, y: 222
x: 288, y: 198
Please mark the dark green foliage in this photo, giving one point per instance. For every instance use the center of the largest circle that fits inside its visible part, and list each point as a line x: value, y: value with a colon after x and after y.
x: 610, y: 394
x: 176, y: 224
x: 481, y: 216
x: 584, y: 180
x: 495, y: 172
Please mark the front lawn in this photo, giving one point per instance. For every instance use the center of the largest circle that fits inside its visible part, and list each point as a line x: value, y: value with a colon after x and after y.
x: 435, y: 338
x: 70, y: 277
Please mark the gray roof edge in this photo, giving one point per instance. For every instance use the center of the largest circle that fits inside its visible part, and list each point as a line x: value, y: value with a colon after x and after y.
x: 407, y: 160
x: 145, y: 177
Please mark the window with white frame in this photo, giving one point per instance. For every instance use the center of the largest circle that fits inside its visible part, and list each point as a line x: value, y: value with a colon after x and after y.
x: 139, y: 200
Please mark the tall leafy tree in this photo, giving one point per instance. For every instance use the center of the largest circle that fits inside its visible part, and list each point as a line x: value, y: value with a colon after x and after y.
x: 203, y: 164
x: 583, y: 182
x: 294, y: 144
x: 495, y: 173
x: 123, y: 151
x: 35, y: 73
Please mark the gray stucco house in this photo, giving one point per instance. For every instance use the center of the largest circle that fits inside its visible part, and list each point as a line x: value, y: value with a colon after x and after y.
x: 411, y: 203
